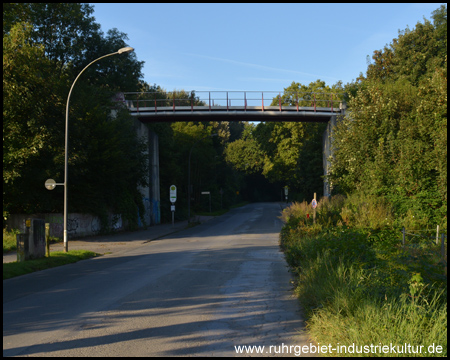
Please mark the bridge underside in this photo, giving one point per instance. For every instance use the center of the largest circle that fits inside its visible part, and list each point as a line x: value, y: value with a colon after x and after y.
x: 234, y: 113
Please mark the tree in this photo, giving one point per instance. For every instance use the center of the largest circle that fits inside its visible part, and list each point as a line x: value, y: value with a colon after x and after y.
x: 393, y: 142
x: 30, y: 96
x: 109, y: 167
x: 287, y: 153
x: 316, y: 92
x: 414, y: 53
x: 63, y: 29
x: 245, y: 154
x: 114, y: 73
x: 40, y: 62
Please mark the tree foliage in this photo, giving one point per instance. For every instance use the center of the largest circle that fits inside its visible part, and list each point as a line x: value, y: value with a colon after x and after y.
x: 30, y: 97
x: 288, y: 153
x: 316, y: 93
x: 414, y: 54
x: 393, y: 142
x: 45, y: 46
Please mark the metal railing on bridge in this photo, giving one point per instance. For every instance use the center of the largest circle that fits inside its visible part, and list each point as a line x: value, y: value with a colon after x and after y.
x: 233, y: 100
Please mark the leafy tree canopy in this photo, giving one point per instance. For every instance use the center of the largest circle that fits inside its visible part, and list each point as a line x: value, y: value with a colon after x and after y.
x: 45, y: 46
x: 288, y: 153
x: 415, y: 54
x: 393, y: 143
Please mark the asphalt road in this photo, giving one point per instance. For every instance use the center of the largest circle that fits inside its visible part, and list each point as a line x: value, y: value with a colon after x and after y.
x: 199, y: 292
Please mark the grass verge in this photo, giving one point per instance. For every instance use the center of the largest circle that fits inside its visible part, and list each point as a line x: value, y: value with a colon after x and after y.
x: 360, y: 287
x: 57, y: 258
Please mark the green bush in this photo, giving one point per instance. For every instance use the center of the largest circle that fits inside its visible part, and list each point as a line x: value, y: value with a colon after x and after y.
x: 9, y: 240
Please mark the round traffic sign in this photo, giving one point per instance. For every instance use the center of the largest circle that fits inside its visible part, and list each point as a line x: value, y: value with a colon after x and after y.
x: 314, y: 203
x: 50, y: 184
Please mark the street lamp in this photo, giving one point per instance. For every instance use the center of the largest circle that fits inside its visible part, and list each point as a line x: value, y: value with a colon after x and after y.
x: 120, y: 51
x: 189, y: 175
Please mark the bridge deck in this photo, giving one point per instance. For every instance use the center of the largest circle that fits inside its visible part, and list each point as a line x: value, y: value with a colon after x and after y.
x: 234, y: 113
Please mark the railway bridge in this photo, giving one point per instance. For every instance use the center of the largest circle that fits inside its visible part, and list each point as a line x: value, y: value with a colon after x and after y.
x: 253, y: 106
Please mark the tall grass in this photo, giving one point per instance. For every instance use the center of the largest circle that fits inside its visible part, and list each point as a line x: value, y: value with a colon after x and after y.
x: 9, y: 239
x: 357, y: 284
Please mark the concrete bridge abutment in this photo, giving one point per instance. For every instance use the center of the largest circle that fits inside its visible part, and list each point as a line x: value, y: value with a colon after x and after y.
x: 327, y: 153
x: 151, y: 193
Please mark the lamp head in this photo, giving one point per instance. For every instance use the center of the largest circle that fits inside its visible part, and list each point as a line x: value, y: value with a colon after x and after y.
x: 125, y: 50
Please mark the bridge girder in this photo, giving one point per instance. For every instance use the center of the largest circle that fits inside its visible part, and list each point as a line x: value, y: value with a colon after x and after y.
x: 235, y: 113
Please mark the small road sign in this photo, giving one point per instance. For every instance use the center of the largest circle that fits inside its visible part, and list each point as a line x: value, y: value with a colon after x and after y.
x: 50, y: 184
x: 314, y: 203
x: 173, y: 193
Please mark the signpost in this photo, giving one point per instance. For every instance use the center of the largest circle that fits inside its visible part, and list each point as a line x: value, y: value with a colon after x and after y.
x: 208, y: 193
x: 173, y: 199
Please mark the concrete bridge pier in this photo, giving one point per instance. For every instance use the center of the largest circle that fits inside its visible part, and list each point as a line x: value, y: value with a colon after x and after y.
x: 150, y: 194
x: 155, y: 196
x: 327, y: 150
x: 327, y: 153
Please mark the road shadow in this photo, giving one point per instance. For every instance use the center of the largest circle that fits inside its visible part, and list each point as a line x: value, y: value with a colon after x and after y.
x: 222, y: 306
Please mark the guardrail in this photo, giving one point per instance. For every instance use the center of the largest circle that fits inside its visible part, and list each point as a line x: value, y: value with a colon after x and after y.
x: 247, y: 100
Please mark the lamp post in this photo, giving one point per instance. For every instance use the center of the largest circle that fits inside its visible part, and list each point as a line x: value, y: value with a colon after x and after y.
x: 189, y: 175
x: 120, y: 51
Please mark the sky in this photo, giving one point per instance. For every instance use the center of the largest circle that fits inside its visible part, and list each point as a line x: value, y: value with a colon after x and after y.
x: 256, y: 47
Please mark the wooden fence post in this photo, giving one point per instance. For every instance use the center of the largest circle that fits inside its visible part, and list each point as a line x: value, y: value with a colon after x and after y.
x: 444, y: 261
x: 47, y: 239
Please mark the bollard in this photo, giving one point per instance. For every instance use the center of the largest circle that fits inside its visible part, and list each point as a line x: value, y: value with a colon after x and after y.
x: 47, y: 239
x: 37, y: 238
x: 22, y: 247
x: 23, y: 243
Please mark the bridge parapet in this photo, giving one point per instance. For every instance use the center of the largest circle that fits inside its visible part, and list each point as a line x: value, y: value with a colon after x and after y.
x: 163, y: 106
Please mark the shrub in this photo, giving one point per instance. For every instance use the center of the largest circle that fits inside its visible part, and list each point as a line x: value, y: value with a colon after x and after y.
x: 360, y: 210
